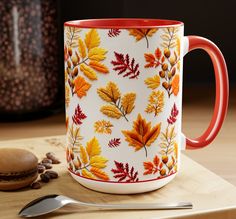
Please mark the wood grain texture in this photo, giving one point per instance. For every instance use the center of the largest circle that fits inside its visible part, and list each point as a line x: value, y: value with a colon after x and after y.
x: 211, y: 196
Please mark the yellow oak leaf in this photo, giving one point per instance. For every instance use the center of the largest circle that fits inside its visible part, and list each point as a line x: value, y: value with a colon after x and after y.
x: 87, y: 174
x: 127, y: 102
x: 83, y: 155
x: 103, y: 127
x: 81, y: 86
x: 156, y: 102
x: 111, y: 111
x: 88, y: 72
x: 98, y: 66
x: 153, y: 82
x: 142, y: 134
x: 93, y: 147
x: 98, y: 161
x: 92, y: 39
x: 110, y: 93
x: 97, y: 54
x: 99, y: 173
x: 82, y: 49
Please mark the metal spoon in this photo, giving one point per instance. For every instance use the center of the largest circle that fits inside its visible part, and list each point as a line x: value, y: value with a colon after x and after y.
x: 50, y: 203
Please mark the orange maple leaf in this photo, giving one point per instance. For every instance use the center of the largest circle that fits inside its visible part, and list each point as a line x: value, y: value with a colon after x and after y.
x: 81, y: 86
x: 142, y: 135
x: 175, y: 85
x: 142, y: 33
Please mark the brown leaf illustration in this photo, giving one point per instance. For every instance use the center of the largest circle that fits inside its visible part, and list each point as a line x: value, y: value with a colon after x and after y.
x: 110, y: 93
x: 127, y: 102
x: 111, y: 111
x: 142, y: 134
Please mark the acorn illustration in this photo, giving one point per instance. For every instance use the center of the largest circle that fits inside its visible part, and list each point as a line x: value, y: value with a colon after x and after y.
x: 162, y: 74
x: 164, y: 67
x: 69, y: 64
x: 164, y: 159
x: 75, y: 60
x: 163, y: 172
x: 70, y: 51
x: 167, y: 53
x: 165, y: 85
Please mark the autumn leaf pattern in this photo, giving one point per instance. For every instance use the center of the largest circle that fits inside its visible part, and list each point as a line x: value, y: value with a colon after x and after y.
x: 89, y: 163
x: 169, y: 146
x: 142, y: 34
x: 78, y: 115
x: 124, y: 66
x: 115, y: 142
x: 114, y: 32
x: 156, y: 102
x: 173, y: 116
x: 72, y: 36
x: 153, y: 167
x: 142, y: 135
x: 167, y: 60
x: 103, y: 127
x: 153, y: 82
x: 124, y: 173
x: 87, y: 61
x: 81, y: 86
x: 118, y: 106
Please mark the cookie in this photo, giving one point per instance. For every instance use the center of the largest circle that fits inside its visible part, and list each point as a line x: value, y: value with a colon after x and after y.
x: 18, y: 168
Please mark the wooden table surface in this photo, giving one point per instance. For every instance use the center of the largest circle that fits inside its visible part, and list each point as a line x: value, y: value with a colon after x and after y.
x: 212, y: 197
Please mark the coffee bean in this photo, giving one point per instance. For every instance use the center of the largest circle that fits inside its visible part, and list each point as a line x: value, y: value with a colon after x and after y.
x: 52, y: 174
x: 51, y: 156
x: 56, y: 161
x: 45, y: 177
x: 47, y: 165
x: 46, y: 160
x: 36, y: 185
x: 41, y: 168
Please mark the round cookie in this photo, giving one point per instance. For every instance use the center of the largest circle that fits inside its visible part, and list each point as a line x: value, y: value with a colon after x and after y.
x: 18, y: 168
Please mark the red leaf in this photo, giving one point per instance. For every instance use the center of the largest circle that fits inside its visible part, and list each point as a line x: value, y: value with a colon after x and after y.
x: 123, y: 65
x: 114, y: 32
x: 173, y: 116
x: 115, y: 142
x: 123, y: 172
x: 158, y: 53
x: 156, y: 161
x: 78, y: 116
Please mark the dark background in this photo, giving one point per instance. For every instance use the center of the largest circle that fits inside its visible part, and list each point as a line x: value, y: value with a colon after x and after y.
x: 211, y: 19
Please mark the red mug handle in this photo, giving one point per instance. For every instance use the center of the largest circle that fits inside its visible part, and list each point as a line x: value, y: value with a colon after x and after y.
x: 222, y: 90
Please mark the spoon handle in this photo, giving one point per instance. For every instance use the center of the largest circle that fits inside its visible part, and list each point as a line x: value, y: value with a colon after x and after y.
x: 141, y: 206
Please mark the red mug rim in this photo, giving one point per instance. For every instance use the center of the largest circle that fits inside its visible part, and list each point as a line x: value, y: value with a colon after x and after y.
x: 123, y: 23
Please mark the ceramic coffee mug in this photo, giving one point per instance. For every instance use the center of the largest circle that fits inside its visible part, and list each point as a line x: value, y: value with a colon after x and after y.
x: 124, y: 101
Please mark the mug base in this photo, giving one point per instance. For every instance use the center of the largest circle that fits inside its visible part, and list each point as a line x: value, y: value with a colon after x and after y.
x: 123, y: 188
